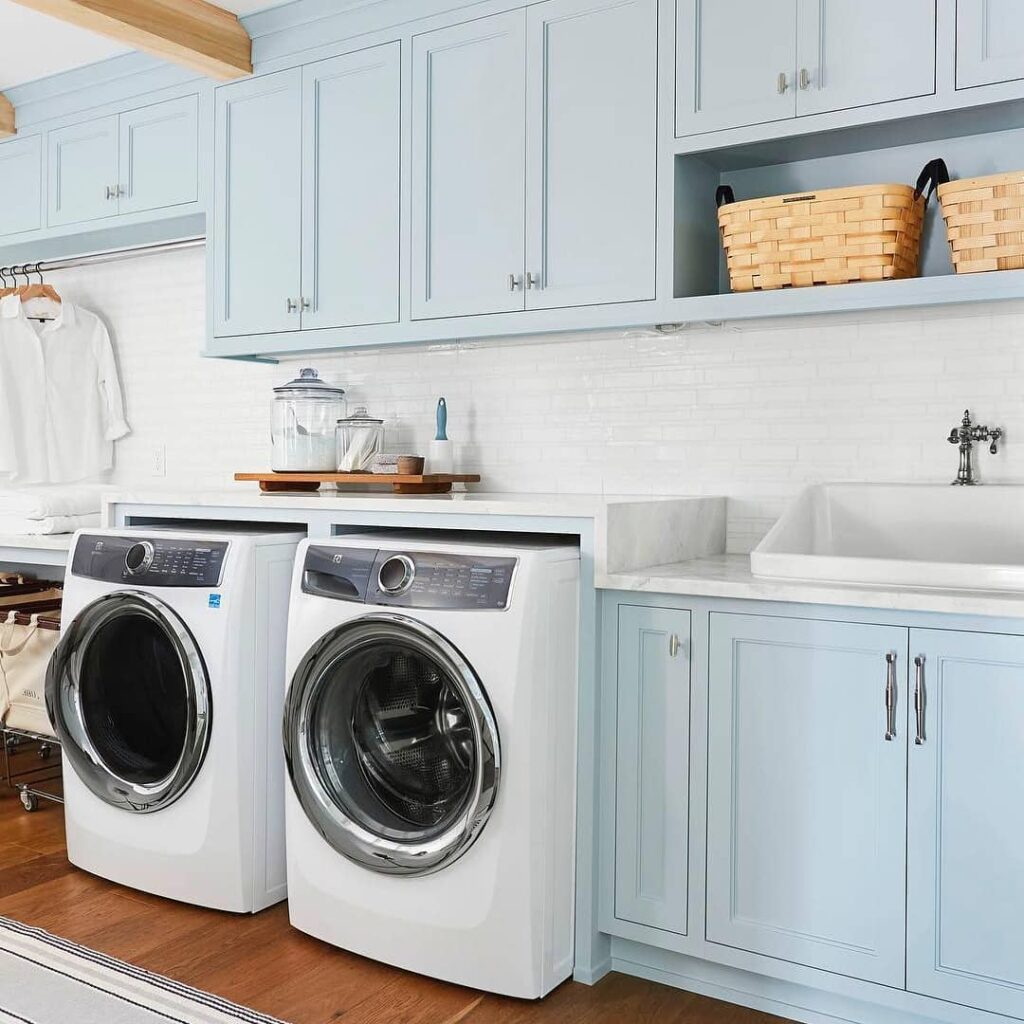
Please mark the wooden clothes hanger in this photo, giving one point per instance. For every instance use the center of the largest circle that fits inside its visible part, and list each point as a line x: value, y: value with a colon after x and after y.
x: 37, y: 291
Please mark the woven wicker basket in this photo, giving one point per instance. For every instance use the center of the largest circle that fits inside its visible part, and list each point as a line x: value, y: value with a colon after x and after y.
x: 985, y: 222
x: 867, y: 233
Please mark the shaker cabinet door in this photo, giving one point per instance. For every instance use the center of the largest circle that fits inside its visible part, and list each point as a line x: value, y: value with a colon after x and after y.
x: 806, y: 794
x: 592, y: 104
x: 159, y: 156
x: 469, y: 168
x: 21, y: 168
x: 856, y: 54
x: 965, y: 903
x: 735, y: 63
x: 989, y: 42
x: 652, y: 801
x: 258, y: 206
x: 351, y: 188
x: 83, y: 172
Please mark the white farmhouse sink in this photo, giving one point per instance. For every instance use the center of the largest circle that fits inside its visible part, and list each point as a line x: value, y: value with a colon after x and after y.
x: 900, y: 535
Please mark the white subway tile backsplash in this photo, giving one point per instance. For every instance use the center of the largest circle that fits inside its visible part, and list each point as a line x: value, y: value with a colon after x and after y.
x: 755, y: 414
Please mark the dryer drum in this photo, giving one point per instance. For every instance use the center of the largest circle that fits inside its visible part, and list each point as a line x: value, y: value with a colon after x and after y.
x: 129, y: 697
x: 392, y: 745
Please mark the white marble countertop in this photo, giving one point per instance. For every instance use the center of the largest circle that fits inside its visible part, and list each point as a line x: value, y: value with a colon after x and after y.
x: 21, y: 542
x: 729, y: 576
x: 629, y: 530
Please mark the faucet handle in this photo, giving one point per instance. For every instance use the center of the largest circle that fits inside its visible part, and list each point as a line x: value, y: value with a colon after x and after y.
x: 954, y: 436
x: 995, y: 436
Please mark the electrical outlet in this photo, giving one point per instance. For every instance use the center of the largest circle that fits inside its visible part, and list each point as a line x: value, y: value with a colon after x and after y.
x: 158, y: 460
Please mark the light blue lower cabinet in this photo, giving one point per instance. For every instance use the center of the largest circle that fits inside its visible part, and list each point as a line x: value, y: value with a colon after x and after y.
x: 652, y: 716
x: 965, y: 905
x: 806, y: 794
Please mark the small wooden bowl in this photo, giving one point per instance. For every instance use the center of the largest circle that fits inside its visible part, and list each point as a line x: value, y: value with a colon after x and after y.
x: 410, y: 465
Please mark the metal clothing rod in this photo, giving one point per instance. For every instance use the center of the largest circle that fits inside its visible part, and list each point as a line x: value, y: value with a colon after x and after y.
x: 108, y: 256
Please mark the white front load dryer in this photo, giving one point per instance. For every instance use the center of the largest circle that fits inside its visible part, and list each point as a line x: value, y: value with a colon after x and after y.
x: 430, y: 737
x: 166, y: 693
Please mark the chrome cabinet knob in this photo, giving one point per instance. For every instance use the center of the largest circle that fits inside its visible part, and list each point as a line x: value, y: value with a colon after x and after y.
x: 782, y: 84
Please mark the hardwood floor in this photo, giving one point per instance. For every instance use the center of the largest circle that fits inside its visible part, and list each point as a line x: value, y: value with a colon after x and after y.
x: 263, y: 963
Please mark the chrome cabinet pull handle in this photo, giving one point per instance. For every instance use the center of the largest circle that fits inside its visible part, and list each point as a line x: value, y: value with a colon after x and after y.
x: 533, y: 281
x: 782, y: 84
x: 890, y: 696
x: 514, y: 282
x: 110, y: 192
x: 307, y: 305
x: 920, y: 700
x: 673, y: 646
x: 805, y: 78
x: 293, y: 306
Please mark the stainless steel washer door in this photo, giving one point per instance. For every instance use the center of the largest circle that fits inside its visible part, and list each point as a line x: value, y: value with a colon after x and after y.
x: 128, y: 695
x: 391, y: 744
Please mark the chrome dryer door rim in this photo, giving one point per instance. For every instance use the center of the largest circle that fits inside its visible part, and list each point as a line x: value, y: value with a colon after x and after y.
x: 64, y: 702
x: 383, y: 849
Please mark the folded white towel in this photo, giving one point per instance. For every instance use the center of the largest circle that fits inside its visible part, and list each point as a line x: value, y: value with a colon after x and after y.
x: 19, y: 526
x: 43, y: 502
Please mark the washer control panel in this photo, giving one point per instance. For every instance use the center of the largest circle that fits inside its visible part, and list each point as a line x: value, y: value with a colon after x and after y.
x: 150, y: 561
x: 408, y: 579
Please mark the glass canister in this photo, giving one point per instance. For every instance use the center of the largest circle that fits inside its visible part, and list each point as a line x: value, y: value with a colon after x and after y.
x: 302, y: 433
x: 360, y: 438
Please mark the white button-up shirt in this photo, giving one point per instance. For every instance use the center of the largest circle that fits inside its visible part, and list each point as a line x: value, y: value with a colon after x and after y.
x: 60, y: 399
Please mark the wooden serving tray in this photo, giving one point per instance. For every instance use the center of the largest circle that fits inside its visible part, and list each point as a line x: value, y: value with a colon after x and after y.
x: 425, y: 483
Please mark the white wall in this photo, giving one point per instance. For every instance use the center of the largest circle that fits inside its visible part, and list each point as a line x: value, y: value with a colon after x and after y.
x: 752, y: 414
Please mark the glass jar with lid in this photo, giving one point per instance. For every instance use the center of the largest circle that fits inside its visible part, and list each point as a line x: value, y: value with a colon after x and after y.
x: 302, y: 438
x: 360, y: 438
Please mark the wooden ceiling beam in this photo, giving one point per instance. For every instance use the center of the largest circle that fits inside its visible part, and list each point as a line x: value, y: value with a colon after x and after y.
x: 192, y: 33
x: 8, y: 125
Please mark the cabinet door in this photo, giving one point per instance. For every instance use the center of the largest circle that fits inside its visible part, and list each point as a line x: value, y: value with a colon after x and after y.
x: 258, y: 206
x: 652, y: 801
x: 735, y: 63
x: 83, y: 172
x: 989, y: 42
x: 159, y: 156
x: 592, y: 111
x: 806, y: 797
x: 965, y: 900
x: 21, y: 172
x: 351, y: 192
x: 871, y: 51
x: 469, y: 168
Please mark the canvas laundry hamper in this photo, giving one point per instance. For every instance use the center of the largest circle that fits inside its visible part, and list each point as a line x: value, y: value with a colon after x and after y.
x: 25, y: 650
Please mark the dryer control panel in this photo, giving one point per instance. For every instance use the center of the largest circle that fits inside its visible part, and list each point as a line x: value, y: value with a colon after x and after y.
x: 150, y: 561
x: 408, y: 579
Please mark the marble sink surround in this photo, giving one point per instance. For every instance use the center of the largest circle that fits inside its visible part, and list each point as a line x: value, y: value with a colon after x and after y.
x: 730, y: 576
x: 630, y: 532
x: 913, y: 535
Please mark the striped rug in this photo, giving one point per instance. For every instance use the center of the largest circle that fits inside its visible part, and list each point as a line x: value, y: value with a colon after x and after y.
x: 47, y: 980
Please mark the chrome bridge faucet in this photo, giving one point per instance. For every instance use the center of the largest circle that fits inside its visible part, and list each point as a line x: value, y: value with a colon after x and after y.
x: 966, y: 436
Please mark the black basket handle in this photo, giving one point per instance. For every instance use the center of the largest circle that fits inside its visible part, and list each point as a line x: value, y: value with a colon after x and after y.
x: 724, y: 195
x: 935, y: 173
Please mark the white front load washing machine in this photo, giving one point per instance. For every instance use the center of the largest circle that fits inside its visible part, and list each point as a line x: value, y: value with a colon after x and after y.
x: 166, y: 693
x: 430, y: 736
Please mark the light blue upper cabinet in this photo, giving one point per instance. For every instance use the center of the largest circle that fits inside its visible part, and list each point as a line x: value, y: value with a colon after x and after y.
x: 21, y: 170
x: 652, y: 802
x: 592, y: 105
x: 735, y: 63
x: 352, y: 189
x: 469, y: 168
x: 806, y: 795
x: 965, y: 902
x: 257, y: 249
x: 83, y: 172
x: 989, y: 42
x: 871, y: 51
x: 159, y: 156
